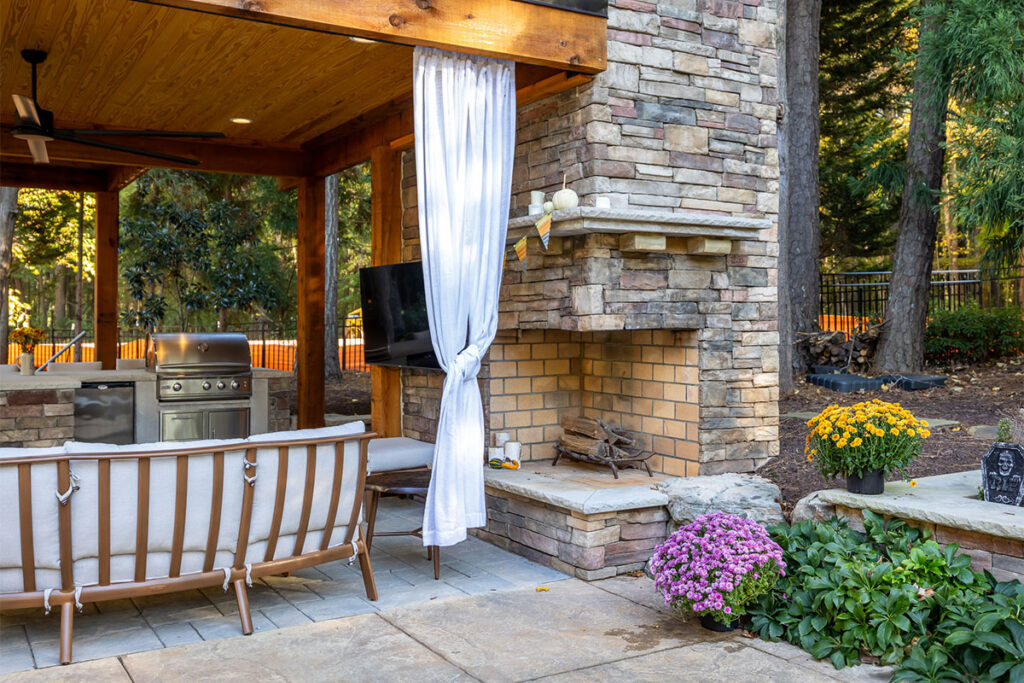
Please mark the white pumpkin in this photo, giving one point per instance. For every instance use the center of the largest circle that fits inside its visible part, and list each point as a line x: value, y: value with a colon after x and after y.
x: 549, y: 207
x: 565, y: 198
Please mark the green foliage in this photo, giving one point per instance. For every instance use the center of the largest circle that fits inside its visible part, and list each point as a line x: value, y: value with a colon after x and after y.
x: 980, y: 48
x: 353, y: 233
x: 1004, y: 429
x: 972, y: 334
x: 892, y: 593
x: 194, y: 237
x: 864, y: 73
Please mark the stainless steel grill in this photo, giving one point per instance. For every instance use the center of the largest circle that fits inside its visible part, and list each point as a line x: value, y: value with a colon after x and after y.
x: 211, y: 366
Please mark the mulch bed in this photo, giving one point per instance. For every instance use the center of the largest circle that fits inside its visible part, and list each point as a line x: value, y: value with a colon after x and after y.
x: 976, y: 395
x: 349, y: 395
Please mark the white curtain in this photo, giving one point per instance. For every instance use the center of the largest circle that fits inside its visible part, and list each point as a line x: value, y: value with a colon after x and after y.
x: 465, y: 114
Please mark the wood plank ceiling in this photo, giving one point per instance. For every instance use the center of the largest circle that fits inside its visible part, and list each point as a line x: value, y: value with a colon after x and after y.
x: 123, y: 64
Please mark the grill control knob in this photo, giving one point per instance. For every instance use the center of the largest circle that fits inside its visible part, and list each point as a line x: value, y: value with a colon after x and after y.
x: 234, y: 384
x: 220, y: 385
x: 176, y: 386
x: 206, y: 386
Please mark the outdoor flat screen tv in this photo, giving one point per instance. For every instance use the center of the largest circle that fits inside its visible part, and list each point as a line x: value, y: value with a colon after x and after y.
x: 395, y: 326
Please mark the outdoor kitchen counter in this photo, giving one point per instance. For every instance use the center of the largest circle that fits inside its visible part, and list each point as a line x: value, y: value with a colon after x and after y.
x: 12, y: 380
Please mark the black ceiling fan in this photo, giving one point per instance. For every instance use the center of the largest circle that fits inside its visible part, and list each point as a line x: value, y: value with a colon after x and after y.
x: 35, y: 126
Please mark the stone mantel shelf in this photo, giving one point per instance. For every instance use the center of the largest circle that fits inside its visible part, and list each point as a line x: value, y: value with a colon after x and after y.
x: 588, y: 219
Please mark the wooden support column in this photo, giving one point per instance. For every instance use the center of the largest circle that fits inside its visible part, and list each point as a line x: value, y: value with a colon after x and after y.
x: 310, y: 256
x: 105, y: 287
x: 385, y: 249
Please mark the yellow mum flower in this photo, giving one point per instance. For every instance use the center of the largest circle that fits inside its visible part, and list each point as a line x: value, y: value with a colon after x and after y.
x: 894, y: 431
x: 913, y: 483
x: 911, y: 432
x: 856, y: 442
x: 809, y: 458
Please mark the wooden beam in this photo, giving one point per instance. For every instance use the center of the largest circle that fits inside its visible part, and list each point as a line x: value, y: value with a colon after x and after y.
x: 216, y: 156
x: 119, y: 177
x: 549, y: 86
x: 507, y: 29
x: 310, y: 262
x: 386, y: 248
x: 105, y: 287
x: 49, y: 177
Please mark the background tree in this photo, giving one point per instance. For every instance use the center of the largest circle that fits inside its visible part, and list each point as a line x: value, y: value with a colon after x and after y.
x: 866, y: 60
x: 8, y: 212
x: 799, y: 234
x: 982, y: 50
x: 332, y: 368
x: 901, y: 344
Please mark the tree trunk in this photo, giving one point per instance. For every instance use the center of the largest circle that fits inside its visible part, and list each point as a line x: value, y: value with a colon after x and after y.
x: 901, y: 344
x: 799, y: 233
x: 949, y: 222
x: 60, y: 294
x: 332, y: 369
x: 8, y: 211
x: 78, y: 276
x: 222, y: 320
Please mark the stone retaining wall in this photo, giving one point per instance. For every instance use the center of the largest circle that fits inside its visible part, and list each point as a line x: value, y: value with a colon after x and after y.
x: 37, y: 418
x: 588, y: 546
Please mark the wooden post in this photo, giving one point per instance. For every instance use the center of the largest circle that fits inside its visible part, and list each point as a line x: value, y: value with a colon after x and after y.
x: 385, y: 249
x: 310, y: 349
x: 105, y: 287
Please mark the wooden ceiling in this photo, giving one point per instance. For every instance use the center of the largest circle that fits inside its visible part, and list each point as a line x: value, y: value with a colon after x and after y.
x: 124, y: 64
x: 317, y: 100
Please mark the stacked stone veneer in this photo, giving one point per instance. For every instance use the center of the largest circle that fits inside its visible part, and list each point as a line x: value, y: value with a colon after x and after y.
x: 40, y: 418
x: 278, y: 408
x: 589, y: 546
x: 681, y: 124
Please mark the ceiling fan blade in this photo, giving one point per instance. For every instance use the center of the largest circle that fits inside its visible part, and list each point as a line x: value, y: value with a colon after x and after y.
x: 144, y: 133
x: 26, y: 109
x: 62, y: 135
x: 38, y: 149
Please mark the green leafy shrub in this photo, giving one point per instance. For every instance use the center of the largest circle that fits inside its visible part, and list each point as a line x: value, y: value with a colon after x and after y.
x: 892, y: 594
x: 973, y: 334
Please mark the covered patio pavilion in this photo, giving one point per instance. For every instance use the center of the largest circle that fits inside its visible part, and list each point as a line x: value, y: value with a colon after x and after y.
x: 318, y: 102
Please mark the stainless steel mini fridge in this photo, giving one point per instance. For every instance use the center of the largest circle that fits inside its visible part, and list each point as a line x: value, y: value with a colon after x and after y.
x: 105, y: 412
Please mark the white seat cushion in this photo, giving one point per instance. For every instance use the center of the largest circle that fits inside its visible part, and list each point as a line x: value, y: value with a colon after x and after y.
x: 398, y: 453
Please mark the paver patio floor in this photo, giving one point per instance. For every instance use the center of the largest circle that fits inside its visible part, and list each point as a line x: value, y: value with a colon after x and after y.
x: 484, y: 621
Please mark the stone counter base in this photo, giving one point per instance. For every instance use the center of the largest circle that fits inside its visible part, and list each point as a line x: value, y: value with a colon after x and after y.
x: 36, y: 417
x: 588, y: 546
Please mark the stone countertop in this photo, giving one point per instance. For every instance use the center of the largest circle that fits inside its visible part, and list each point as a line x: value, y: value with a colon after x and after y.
x: 948, y: 499
x: 529, y: 482
x: 12, y: 380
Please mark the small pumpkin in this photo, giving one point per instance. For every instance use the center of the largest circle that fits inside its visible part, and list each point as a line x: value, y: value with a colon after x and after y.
x: 565, y: 198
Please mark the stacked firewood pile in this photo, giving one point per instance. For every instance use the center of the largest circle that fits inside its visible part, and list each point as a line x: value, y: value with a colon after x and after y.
x: 592, y: 440
x: 854, y: 351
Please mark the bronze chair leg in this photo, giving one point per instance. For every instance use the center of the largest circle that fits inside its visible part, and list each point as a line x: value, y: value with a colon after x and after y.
x: 372, y: 499
x: 367, y: 570
x: 436, y: 556
x: 243, y: 606
x: 67, y: 615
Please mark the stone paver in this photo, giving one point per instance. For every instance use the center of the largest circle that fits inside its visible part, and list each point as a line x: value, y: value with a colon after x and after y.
x: 403, y: 575
x: 107, y: 670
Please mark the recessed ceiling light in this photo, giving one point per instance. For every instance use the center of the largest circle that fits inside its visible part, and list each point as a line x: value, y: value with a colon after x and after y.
x: 360, y: 39
x: 240, y: 120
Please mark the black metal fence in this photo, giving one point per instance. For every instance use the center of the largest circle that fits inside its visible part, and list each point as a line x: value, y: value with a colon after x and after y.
x: 849, y: 299
x: 271, y: 346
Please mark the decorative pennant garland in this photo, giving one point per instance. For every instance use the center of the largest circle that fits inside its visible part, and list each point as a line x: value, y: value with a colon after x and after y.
x: 520, y: 247
x: 544, y: 229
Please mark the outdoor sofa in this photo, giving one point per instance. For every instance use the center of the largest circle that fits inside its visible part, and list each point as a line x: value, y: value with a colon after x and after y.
x: 90, y: 522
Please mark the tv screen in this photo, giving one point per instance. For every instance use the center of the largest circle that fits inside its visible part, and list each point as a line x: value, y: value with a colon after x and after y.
x: 395, y: 326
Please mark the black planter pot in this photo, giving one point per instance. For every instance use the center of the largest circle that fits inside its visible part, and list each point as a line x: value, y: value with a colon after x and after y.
x: 871, y: 483
x: 712, y: 624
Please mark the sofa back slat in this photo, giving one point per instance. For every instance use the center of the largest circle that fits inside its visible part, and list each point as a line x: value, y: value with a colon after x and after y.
x: 242, y: 545
x: 332, y: 508
x: 142, y: 521
x: 28, y: 555
x: 180, y: 503
x: 215, y: 505
x: 282, y: 486
x: 307, y: 499
x: 103, y: 521
x: 357, y: 509
x: 67, y: 576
